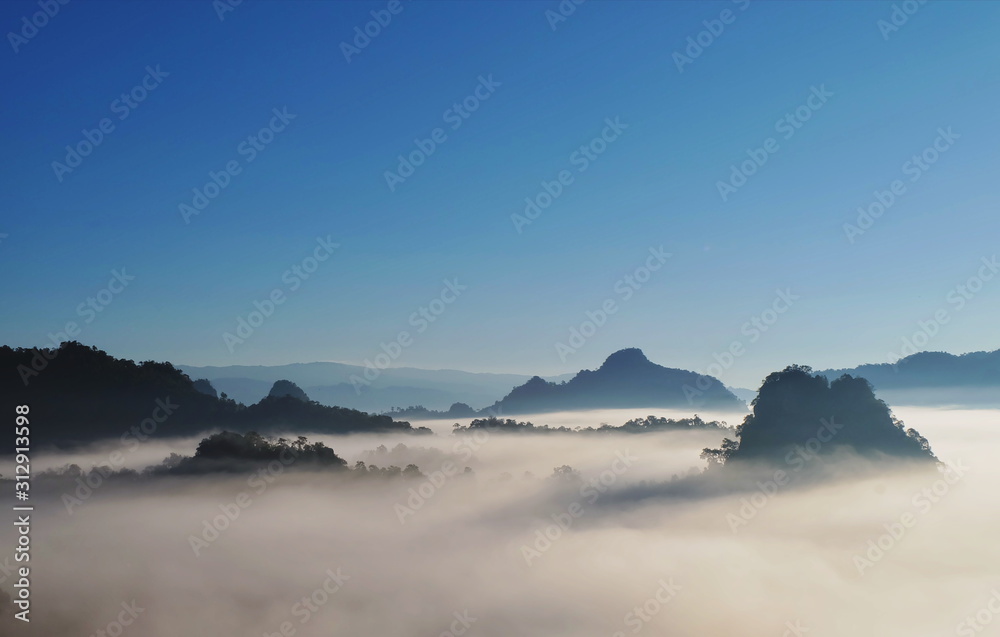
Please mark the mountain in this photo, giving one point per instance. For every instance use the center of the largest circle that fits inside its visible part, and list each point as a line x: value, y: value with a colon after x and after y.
x: 78, y: 394
x: 287, y: 388
x: 205, y: 386
x: 934, y: 378
x: 348, y: 386
x: 798, y: 416
x: 626, y: 379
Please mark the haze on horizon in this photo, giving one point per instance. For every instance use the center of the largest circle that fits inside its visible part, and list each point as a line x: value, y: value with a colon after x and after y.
x: 850, y: 108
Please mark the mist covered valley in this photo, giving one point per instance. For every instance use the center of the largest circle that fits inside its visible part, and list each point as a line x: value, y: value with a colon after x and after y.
x: 600, y: 546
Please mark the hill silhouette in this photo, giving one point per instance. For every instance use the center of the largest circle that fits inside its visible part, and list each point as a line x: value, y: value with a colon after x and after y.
x: 287, y: 388
x: 934, y: 378
x: 931, y: 369
x: 333, y: 384
x: 796, y: 410
x: 205, y: 386
x: 626, y: 379
x: 79, y: 394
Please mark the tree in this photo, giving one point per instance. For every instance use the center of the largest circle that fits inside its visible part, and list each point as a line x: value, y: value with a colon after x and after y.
x: 718, y: 457
x: 566, y: 473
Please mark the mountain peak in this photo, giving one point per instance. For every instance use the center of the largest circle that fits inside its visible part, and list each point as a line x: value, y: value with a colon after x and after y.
x: 626, y: 379
x: 288, y: 388
x: 626, y: 358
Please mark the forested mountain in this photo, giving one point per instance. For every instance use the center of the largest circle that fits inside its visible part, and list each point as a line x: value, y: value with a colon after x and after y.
x: 798, y: 411
x: 78, y: 394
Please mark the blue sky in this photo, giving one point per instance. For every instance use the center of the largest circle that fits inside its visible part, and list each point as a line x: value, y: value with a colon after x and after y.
x: 655, y: 186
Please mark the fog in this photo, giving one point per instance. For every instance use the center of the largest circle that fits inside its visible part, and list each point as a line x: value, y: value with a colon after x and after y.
x: 469, y: 554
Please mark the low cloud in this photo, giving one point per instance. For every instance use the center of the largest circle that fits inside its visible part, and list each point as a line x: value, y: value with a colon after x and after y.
x: 322, y: 554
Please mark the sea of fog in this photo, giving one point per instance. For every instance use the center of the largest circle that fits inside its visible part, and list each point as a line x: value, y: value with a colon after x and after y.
x: 510, y: 550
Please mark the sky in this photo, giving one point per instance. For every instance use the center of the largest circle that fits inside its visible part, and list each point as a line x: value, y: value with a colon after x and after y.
x: 706, y: 190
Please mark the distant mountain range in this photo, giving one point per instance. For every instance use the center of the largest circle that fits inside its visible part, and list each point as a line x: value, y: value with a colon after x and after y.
x: 926, y: 378
x: 331, y: 384
x: 934, y: 378
x: 627, y: 379
x: 79, y: 394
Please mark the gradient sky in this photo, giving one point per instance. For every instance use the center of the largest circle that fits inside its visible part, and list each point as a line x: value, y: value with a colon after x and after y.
x: 656, y: 185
